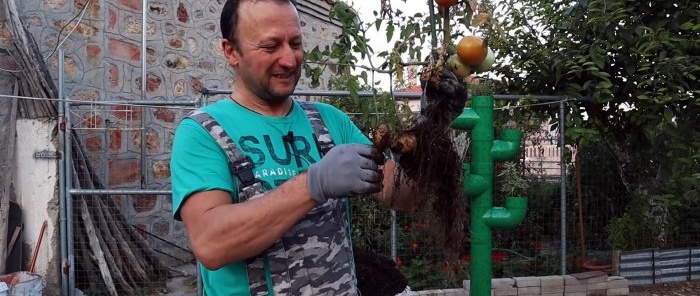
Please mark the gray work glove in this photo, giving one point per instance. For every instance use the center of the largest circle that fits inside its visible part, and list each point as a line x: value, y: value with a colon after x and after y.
x: 345, y: 171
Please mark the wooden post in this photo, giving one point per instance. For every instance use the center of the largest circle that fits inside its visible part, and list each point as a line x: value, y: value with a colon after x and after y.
x: 8, y: 124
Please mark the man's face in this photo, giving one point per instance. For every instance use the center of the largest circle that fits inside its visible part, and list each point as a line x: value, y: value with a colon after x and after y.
x: 269, y: 53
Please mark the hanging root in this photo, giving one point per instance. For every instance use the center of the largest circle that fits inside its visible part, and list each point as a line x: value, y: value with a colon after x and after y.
x: 427, y: 156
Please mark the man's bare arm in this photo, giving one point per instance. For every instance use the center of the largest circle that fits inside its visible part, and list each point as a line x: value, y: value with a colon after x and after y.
x: 398, y: 191
x: 221, y: 232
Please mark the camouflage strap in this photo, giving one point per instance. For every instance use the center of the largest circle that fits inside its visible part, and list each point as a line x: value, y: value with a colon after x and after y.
x: 288, y: 275
x: 240, y: 164
x: 321, y: 133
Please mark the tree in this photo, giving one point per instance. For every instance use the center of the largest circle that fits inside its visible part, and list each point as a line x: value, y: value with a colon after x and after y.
x: 635, y: 62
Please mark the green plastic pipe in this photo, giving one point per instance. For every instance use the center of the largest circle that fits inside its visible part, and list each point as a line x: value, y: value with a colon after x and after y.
x: 478, y: 185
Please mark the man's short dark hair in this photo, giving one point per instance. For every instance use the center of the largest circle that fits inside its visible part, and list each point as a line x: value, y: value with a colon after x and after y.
x: 229, y: 17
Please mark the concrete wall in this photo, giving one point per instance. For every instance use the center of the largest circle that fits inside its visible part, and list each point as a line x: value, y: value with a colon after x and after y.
x: 36, y: 189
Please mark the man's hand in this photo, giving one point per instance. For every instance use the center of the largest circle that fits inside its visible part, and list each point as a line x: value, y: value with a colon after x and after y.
x: 346, y: 170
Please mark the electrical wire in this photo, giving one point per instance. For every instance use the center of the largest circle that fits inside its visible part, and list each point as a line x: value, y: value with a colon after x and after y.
x: 529, y: 105
x: 58, y: 44
x: 98, y: 102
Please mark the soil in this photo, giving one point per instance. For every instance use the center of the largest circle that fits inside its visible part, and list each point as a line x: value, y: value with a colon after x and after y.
x: 691, y: 288
x: 377, y: 275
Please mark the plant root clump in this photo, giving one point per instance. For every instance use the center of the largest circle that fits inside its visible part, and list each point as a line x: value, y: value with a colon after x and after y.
x: 427, y: 156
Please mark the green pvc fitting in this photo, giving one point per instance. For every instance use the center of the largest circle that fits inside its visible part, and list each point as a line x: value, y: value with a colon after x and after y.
x: 509, y: 216
x: 508, y: 146
x: 465, y: 121
x: 474, y: 185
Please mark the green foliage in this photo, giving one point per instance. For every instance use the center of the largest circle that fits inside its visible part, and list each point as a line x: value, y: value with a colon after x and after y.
x: 512, y: 183
x: 428, y: 274
x: 633, y: 61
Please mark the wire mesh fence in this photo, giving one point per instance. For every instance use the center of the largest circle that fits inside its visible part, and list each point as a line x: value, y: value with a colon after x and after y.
x: 124, y: 239
x: 130, y: 239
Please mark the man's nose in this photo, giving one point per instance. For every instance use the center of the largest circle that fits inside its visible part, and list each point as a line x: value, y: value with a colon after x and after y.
x: 288, y: 57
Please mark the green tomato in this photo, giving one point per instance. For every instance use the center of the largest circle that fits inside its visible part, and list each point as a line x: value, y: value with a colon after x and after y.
x: 455, y: 65
x: 487, y: 63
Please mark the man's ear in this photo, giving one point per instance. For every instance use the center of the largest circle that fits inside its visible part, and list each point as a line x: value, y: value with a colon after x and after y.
x: 230, y: 52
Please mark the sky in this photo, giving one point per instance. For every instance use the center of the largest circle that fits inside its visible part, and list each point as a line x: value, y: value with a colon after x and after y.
x: 378, y: 39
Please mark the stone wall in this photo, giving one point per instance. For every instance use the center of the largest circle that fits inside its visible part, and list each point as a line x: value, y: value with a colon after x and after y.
x: 103, y: 63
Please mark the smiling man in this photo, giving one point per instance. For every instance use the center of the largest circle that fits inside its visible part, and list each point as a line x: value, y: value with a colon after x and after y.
x: 262, y: 181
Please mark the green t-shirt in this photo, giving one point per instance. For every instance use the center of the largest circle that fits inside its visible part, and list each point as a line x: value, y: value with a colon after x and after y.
x: 199, y: 164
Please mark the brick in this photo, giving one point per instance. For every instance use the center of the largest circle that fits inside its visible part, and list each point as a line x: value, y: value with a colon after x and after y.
x: 529, y: 291
x: 552, y: 294
x: 575, y: 294
x: 502, y: 283
x: 616, y: 282
x: 619, y: 292
x: 529, y: 281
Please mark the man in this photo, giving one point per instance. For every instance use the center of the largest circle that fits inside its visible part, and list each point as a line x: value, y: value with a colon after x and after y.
x: 294, y: 238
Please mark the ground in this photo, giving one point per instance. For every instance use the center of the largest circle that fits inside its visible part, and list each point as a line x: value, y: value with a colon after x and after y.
x: 691, y: 288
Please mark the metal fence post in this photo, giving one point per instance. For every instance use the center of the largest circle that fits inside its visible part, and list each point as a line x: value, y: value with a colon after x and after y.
x: 562, y: 178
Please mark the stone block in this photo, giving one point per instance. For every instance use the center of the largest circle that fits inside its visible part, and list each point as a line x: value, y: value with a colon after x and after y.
x: 552, y: 284
x: 455, y: 292
x: 597, y: 293
x: 552, y: 294
x: 502, y: 283
x: 570, y: 280
x: 525, y: 291
x: 575, y: 294
x: 591, y: 277
x: 430, y: 293
x: 466, y: 284
x: 552, y: 280
x: 506, y: 291
x: 597, y: 286
x: 575, y: 288
x: 529, y: 281
x: 617, y: 282
x: 619, y: 292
